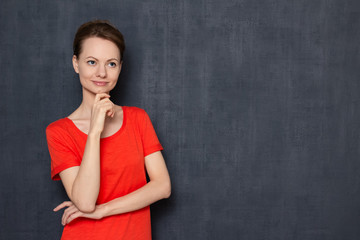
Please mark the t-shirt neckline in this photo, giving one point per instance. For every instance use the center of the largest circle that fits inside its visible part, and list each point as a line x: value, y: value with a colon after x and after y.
x: 104, y: 138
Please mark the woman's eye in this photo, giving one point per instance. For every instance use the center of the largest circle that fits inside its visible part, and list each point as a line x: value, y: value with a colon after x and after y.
x: 112, y: 64
x: 91, y: 62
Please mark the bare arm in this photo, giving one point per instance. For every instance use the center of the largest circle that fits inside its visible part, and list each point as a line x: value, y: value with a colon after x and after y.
x: 157, y: 188
x: 82, y: 183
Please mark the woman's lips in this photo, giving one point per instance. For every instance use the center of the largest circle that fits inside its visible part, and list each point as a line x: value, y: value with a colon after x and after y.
x: 97, y: 83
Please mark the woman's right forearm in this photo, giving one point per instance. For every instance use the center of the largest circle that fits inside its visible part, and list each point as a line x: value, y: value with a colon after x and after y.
x: 85, y: 189
x: 86, y: 185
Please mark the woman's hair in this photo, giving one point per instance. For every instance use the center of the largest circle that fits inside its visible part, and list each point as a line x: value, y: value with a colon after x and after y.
x: 98, y: 28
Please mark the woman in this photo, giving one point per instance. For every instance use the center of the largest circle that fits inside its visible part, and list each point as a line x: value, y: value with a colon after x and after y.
x: 102, y: 151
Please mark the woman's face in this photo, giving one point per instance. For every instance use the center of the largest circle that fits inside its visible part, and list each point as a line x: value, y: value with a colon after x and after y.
x: 98, y: 65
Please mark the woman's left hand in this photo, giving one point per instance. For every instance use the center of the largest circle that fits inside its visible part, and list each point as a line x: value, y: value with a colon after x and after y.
x: 72, y: 212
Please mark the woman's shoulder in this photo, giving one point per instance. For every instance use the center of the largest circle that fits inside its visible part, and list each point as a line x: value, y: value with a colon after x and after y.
x: 133, y: 111
x: 57, y: 127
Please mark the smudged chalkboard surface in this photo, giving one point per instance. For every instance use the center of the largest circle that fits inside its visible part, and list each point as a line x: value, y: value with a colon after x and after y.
x: 255, y: 102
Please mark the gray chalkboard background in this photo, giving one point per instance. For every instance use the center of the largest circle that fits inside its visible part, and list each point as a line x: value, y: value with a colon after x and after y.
x: 257, y: 104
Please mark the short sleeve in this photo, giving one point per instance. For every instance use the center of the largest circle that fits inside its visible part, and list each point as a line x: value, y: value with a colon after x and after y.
x: 149, y: 139
x: 62, y: 156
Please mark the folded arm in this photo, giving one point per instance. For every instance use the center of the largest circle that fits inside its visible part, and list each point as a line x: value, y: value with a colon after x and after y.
x: 82, y: 183
x: 157, y: 188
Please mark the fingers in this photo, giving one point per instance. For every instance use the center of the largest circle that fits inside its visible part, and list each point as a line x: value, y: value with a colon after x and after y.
x: 110, y: 109
x: 100, y: 96
x: 73, y: 216
x: 103, y: 107
x: 104, y: 97
x: 62, y: 205
x: 107, y: 106
x: 70, y: 210
x: 68, y: 213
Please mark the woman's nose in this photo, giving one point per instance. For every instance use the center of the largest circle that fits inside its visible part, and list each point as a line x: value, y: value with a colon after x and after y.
x: 101, y: 71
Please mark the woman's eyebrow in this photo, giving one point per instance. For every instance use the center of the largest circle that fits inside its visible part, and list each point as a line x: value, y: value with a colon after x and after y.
x: 91, y: 57
x: 113, y: 59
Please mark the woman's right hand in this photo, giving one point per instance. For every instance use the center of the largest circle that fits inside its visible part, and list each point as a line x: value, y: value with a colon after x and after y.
x: 102, y: 107
x: 72, y: 212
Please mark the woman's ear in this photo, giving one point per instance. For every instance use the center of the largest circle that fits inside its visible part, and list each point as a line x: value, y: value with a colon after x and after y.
x: 75, y: 64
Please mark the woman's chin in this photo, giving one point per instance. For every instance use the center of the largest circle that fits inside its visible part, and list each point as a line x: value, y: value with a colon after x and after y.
x: 100, y: 91
x: 96, y: 91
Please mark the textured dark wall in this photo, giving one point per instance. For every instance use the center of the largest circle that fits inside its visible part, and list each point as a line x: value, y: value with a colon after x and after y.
x: 255, y: 102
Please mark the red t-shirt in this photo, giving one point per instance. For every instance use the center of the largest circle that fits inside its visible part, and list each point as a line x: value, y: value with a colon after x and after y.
x: 122, y: 170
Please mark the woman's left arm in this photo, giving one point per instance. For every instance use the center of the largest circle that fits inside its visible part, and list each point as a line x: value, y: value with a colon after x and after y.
x: 159, y: 187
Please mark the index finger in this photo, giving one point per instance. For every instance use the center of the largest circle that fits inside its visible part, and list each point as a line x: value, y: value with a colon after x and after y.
x: 62, y: 205
x: 100, y: 96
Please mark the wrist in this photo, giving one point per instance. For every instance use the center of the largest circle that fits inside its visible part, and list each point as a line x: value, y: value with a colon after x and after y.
x: 94, y: 134
x: 104, y: 210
